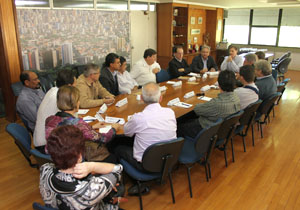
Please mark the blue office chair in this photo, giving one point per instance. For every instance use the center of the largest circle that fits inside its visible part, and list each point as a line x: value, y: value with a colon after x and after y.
x: 286, y: 80
x: 22, y: 140
x: 247, y: 120
x: 162, y: 76
x: 264, y: 109
x: 199, y: 149
x: 17, y: 88
x: 40, y: 158
x: 225, y: 133
x: 38, y: 206
x: 158, y: 159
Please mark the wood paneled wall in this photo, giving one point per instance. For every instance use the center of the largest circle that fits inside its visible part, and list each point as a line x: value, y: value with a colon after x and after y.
x: 10, y: 55
x: 196, y: 13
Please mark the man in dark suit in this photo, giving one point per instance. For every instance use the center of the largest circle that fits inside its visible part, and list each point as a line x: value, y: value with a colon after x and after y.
x: 108, y: 76
x: 204, y: 62
x: 178, y: 66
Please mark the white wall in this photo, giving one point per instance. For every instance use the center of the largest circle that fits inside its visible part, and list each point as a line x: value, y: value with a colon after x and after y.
x: 142, y: 33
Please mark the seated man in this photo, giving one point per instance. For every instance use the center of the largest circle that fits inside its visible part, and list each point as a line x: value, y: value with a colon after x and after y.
x: 250, y: 59
x: 29, y: 99
x: 48, y: 107
x: 154, y: 124
x: 145, y: 69
x: 260, y: 55
x: 126, y: 83
x: 233, y: 62
x: 204, y: 62
x: 225, y: 104
x: 178, y: 66
x: 248, y: 94
x: 264, y: 79
x: 108, y: 77
x: 92, y: 93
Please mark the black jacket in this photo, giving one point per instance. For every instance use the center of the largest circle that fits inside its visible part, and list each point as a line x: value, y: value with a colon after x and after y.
x: 108, y: 82
x: 174, y: 65
x: 197, y: 64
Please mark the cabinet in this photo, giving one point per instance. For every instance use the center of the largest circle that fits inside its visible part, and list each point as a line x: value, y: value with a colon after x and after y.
x: 186, y: 25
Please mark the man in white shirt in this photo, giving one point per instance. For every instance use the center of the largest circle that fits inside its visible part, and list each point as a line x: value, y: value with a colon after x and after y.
x: 125, y: 81
x: 145, y: 70
x: 48, y: 107
x: 248, y: 94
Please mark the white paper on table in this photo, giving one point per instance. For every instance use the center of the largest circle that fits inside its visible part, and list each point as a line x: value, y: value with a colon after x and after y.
x: 205, y: 88
x: 192, y: 74
x: 105, y: 129
x: 173, y: 101
x: 183, y: 105
x: 82, y: 111
x: 122, y: 102
x: 179, y: 83
x: 121, y: 121
x: 214, y: 87
x: 89, y: 118
x: 198, y: 76
x: 102, y: 109
x: 204, y: 98
x: 99, y: 117
x: 189, y: 94
x: 171, y: 82
x: 162, y: 88
x: 192, y: 79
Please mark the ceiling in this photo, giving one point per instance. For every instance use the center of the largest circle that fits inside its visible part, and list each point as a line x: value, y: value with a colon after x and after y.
x: 243, y: 3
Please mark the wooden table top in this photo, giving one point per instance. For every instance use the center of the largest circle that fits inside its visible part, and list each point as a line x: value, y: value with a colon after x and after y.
x: 135, y: 106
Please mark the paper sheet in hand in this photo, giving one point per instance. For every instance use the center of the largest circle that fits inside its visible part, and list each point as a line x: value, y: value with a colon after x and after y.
x: 121, y: 121
x: 105, y: 129
x: 83, y: 111
x: 204, y: 98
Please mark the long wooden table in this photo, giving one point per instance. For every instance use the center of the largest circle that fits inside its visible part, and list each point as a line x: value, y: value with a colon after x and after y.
x: 135, y: 106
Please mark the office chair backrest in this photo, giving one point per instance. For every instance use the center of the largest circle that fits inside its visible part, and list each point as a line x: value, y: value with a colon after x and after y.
x: 46, y: 82
x: 162, y: 154
x: 226, y: 129
x: 162, y: 76
x: 283, y: 65
x: 17, y: 88
x: 40, y: 158
x: 38, y: 206
x: 249, y: 113
x: 206, y: 136
x: 22, y: 139
x: 284, y: 56
x: 267, y: 105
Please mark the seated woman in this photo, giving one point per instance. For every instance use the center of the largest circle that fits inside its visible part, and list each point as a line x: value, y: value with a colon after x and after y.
x: 68, y: 103
x: 126, y: 82
x: 70, y: 183
x: 233, y: 62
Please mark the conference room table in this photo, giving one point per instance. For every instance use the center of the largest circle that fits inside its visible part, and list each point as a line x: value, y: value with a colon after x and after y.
x: 171, y: 92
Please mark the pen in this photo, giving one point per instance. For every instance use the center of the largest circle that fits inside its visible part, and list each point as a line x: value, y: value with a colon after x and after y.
x: 118, y: 121
x: 185, y: 104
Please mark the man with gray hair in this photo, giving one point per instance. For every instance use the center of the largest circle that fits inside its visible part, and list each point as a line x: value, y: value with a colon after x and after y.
x: 92, y: 93
x: 154, y: 124
x: 264, y: 80
x: 204, y: 62
x: 250, y: 59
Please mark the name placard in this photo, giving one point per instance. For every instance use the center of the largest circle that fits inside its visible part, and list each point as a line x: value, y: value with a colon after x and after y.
x: 173, y: 101
x: 192, y: 79
x: 103, y: 109
x: 176, y: 84
x: 189, y: 94
x: 122, y: 102
x: 205, y: 88
x: 162, y: 88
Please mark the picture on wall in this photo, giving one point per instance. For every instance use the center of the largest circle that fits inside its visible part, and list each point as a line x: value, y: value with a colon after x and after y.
x: 193, y: 20
x: 52, y: 38
x: 199, y: 20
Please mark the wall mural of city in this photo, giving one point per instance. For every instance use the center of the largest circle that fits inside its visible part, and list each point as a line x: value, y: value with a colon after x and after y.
x: 53, y: 38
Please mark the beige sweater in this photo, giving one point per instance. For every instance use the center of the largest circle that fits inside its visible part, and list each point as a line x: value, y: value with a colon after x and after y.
x: 91, y: 94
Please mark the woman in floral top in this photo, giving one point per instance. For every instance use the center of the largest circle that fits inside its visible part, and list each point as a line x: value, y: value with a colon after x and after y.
x: 68, y: 103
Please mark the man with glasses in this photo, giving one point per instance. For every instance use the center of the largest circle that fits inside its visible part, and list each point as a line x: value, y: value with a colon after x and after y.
x: 204, y: 62
x: 92, y: 93
x: 29, y: 99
